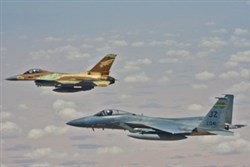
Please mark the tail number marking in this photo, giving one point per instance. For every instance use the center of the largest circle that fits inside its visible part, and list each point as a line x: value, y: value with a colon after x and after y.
x: 211, y: 123
x: 213, y: 114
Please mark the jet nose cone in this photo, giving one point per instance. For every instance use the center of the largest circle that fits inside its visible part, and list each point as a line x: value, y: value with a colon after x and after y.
x: 82, y: 122
x: 77, y: 122
x: 72, y: 123
x: 13, y: 78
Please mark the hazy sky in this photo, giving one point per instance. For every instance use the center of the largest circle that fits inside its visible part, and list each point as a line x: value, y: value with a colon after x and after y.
x: 173, y: 59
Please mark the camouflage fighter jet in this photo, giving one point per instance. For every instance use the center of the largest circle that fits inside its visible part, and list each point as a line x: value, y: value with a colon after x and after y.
x: 74, y: 82
x: 218, y: 121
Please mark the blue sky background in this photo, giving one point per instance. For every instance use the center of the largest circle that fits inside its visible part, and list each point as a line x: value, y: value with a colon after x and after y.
x: 65, y: 18
x: 173, y: 59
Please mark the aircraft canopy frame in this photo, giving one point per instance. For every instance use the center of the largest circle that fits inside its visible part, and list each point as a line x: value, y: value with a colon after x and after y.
x: 33, y: 71
x: 109, y: 112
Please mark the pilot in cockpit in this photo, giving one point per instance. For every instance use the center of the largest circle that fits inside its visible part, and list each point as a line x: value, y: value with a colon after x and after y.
x: 32, y: 71
x: 109, y: 112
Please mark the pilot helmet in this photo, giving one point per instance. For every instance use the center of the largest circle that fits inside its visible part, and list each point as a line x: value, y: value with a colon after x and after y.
x: 109, y: 112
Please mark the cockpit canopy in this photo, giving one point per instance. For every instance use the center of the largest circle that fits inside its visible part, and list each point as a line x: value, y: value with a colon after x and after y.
x: 109, y: 112
x: 33, y: 71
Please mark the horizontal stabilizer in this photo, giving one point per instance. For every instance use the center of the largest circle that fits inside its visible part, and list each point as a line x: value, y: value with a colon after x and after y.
x: 236, y: 126
x: 222, y: 132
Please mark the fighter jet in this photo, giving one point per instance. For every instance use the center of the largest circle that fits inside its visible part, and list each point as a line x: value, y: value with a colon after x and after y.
x: 218, y: 121
x: 74, y: 82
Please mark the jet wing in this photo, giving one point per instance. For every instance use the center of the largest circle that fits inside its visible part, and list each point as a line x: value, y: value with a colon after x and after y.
x: 42, y: 82
x: 85, y: 84
x: 88, y: 84
x: 69, y: 87
x: 168, y: 127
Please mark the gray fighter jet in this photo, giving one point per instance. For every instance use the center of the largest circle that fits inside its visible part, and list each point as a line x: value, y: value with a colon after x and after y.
x: 218, y: 121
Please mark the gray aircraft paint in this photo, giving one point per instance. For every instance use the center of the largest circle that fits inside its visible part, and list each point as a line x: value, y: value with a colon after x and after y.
x: 216, y: 122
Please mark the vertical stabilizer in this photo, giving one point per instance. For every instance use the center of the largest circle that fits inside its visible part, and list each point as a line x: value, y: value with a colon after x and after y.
x: 215, y: 120
x: 216, y: 117
x: 229, y: 113
x: 104, y: 65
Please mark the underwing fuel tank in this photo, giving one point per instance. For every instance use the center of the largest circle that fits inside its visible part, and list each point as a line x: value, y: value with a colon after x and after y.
x: 155, y: 136
x: 67, y: 90
x: 73, y: 89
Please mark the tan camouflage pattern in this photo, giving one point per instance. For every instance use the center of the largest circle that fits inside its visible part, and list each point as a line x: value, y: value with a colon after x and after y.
x: 98, y: 74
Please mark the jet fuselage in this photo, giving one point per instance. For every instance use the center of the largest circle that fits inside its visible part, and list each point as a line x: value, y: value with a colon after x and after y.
x: 216, y: 122
x: 136, y: 125
x: 71, y: 82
